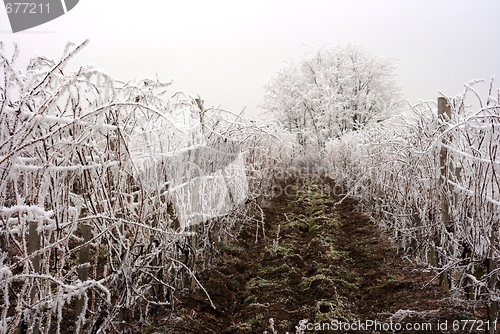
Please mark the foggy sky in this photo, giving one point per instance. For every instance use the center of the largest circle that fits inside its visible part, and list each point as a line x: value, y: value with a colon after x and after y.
x: 228, y: 50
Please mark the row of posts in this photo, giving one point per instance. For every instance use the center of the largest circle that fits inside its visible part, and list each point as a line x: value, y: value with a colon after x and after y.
x: 86, y: 234
x: 444, y: 112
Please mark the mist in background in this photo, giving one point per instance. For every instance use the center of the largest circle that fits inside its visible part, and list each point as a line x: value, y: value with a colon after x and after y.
x: 226, y: 51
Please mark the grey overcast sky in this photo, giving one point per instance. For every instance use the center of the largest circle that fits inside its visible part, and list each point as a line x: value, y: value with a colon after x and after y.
x: 228, y: 50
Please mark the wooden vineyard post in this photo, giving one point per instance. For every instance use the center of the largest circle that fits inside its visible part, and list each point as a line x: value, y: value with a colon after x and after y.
x: 195, y: 199
x: 432, y: 256
x: 458, y: 174
x: 34, y: 245
x: 492, y: 306
x: 157, y: 287
x: 444, y: 113
x: 371, y: 198
x: 196, y: 211
x: 3, y: 237
x: 83, y: 271
x: 444, y: 109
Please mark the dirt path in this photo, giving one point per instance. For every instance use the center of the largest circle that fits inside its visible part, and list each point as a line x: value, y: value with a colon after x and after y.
x: 328, y: 263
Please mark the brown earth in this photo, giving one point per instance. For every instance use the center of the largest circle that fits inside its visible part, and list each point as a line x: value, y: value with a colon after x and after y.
x: 327, y: 263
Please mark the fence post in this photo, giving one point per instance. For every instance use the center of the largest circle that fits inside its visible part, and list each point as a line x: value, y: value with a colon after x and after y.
x: 34, y: 245
x: 492, y: 306
x: 432, y: 256
x: 444, y: 112
x: 157, y: 287
x: 3, y: 237
x: 195, y: 199
x: 83, y: 271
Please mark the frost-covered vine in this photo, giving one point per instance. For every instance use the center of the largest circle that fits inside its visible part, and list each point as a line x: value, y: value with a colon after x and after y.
x: 140, y: 185
x: 435, y: 182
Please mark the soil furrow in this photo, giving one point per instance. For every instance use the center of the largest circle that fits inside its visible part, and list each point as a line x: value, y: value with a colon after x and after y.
x: 328, y: 264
